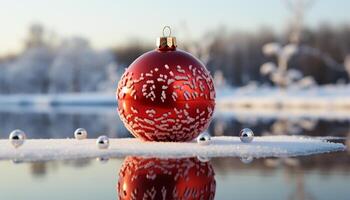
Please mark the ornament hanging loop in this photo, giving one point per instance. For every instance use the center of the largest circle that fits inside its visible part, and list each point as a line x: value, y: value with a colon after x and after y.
x: 167, y: 42
x: 164, y: 31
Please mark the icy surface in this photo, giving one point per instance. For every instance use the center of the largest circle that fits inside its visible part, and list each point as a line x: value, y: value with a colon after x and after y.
x: 267, y: 146
x: 252, y: 96
x: 316, y: 97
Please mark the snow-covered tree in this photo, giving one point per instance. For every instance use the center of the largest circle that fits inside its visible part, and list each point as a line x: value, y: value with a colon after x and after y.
x: 29, y: 72
x: 78, y: 68
x: 57, y: 66
x: 279, y: 73
x: 111, y: 81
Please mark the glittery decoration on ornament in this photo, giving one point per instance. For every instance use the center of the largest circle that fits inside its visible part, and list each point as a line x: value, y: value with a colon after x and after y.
x: 17, y: 138
x: 80, y: 134
x: 246, y: 135
x: 166, y: 95
x: 102, y: 142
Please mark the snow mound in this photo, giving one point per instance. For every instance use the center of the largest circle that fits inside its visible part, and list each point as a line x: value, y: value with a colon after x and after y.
x: 267, y: 146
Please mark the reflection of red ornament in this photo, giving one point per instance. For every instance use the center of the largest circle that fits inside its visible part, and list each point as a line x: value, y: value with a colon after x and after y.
x: 155, y: 178
x: 166, y: 95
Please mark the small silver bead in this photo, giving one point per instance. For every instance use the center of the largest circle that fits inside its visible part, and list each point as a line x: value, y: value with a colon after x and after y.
x: 247, y: 159
x: 102, y: 160
x: 102, y: 142
x: 17, y: 161
x: 17, y: 138
x: 246, y: 135
x: 203, y: 158
x: 80, y: 134
x: 203, y: 138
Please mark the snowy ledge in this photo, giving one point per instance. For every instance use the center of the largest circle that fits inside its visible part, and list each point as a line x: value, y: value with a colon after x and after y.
x: 267, y: 146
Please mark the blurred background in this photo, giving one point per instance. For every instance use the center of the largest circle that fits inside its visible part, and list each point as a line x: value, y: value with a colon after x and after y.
x: 75, y: 47
x: 280, y: 67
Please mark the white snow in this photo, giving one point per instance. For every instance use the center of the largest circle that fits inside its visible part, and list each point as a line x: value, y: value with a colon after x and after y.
x: 267, y: 146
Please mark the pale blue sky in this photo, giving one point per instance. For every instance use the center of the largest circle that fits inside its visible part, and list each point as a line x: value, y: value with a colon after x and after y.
x: 109, y: 22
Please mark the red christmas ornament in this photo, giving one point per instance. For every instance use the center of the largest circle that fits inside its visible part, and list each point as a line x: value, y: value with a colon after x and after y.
x: 154, y: 178
x: 166, y: 95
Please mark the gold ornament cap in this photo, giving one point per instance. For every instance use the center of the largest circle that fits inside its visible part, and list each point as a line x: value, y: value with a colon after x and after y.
x: 166, y: 42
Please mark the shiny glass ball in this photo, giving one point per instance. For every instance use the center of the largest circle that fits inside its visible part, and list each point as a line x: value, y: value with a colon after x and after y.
x: 203, y: 139
x: 17, y: 138
x: 102, y: 142
x: 80, y: 134
x: 166, y: 95
x: 246, y: 135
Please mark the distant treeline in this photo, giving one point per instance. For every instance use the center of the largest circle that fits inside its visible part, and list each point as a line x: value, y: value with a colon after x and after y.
x: 239, y: 54
x: 72, y: 65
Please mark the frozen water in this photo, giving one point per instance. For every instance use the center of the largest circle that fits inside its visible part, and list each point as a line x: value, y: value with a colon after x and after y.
x: 267, y: 146
x: 318, y: 97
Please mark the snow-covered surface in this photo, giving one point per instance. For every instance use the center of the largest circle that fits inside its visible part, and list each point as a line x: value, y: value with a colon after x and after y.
x: 267, y: 146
